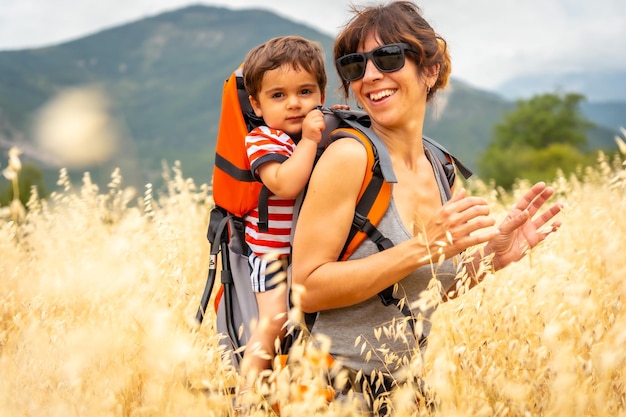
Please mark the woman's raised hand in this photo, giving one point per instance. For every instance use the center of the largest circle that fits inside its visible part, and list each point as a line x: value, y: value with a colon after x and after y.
x: 460, y: 223
x: 465, y: 221
x: 522, y: 229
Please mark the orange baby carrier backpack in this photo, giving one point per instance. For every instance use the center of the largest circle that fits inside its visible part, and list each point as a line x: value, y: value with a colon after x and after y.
x: 236, y: 192
x: 234, y: 187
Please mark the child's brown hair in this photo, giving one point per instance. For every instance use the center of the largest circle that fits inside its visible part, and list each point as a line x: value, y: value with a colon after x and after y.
x: 300, y: 53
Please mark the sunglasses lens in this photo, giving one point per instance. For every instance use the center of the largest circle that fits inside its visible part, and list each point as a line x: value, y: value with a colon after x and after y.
x: 352, y: 66
x: 389, y: 58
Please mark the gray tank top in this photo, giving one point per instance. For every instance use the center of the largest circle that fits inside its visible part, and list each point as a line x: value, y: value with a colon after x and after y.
x: 371, y: 320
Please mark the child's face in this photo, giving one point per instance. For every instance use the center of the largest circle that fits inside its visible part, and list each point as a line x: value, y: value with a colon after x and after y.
x: 286, y: 96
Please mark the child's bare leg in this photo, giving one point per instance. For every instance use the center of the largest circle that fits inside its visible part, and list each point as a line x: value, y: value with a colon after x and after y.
x: 260, y: 350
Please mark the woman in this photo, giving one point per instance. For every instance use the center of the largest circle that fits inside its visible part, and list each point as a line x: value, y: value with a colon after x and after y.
x: 393, y: 62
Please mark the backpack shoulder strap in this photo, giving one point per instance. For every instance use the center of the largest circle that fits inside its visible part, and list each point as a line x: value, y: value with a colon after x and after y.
x: 375, y: 193
x: 359, y: 121
x: 372, y: 202
x: 445, y: 166
x: 446, y: 158
x: 373, y: 199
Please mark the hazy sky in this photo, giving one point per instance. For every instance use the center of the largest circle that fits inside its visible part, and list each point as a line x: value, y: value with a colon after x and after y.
x: 490, y: 40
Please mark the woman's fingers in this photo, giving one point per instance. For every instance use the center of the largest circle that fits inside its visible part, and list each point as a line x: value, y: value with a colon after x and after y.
x: 514, y: 220
x: 548, y: 215
x: 465, y: 221
x: 527, y: 200
x: 462, y: 208
x: 535, y: 198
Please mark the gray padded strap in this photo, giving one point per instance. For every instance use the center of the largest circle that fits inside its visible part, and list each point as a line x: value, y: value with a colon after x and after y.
x: 379, y: 146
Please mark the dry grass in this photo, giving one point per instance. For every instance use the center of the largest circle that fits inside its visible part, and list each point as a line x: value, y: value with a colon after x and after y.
x: 98, y: 298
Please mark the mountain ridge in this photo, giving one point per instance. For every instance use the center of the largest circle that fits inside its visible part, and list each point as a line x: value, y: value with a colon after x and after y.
x: 164, y: 76
x: 602, y: 86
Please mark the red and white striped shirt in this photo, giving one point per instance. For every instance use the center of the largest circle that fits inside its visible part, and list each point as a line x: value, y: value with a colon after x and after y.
x: 264, y: 144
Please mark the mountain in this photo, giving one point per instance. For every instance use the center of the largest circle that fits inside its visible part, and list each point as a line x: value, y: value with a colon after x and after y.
x: 611, y: 114
x: 164, y: 75
x: 598, y: 87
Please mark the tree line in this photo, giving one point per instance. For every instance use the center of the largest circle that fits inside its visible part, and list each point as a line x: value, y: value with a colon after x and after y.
x: 540, y: 136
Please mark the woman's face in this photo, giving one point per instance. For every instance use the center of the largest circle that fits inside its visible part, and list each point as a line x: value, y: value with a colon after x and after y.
x: 390, y: 98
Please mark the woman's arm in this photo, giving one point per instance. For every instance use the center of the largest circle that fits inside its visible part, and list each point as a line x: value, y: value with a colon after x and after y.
x: 324, y: 223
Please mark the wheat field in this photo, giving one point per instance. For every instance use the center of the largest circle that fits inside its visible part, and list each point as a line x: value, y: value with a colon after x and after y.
x: 99, y: 290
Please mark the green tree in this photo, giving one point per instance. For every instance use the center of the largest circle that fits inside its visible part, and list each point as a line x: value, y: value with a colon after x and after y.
x: 541, y: 135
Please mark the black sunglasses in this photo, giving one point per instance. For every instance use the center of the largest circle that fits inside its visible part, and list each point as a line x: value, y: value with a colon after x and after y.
x: 387, y: 58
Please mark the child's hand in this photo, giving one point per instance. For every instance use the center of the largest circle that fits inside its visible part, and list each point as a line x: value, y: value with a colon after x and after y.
x: 313, y: 126
x: 340, y: 107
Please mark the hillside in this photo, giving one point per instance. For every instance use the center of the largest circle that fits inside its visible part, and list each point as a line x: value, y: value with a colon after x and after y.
x: 164, y: 75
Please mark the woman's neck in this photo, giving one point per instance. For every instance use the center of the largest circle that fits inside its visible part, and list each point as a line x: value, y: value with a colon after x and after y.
x: 404, y: 144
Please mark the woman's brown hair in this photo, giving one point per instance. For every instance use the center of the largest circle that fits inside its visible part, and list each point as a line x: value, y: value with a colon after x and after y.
x: 396, y: 22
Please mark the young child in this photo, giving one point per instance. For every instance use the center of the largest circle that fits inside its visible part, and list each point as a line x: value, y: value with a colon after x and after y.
x: 286, y: 81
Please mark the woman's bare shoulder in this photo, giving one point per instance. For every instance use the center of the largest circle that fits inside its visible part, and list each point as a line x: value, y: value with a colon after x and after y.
x: 342, y: 164
x: 346, y: 151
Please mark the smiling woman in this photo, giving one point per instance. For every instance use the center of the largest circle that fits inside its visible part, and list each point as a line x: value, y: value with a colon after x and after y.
x: 393, y: 63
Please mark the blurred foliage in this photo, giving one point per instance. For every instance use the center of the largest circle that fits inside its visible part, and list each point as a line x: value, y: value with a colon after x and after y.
x: 544, y: 134
x: 543, y: 120
x: 30, y: 176
x: 506, y: 166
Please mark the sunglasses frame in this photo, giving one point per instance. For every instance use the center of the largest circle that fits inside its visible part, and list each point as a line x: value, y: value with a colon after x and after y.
x: 370, y: 56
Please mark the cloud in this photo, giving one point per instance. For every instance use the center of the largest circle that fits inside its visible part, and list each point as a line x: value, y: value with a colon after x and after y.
x: 493, y: 41
x: 490, y: 41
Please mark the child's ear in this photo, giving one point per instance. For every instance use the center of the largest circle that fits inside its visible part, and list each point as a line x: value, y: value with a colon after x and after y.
x: 323, y: 98
x: 255, y: 106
